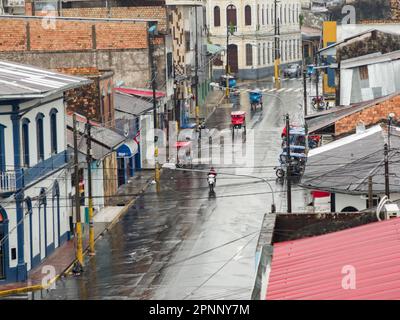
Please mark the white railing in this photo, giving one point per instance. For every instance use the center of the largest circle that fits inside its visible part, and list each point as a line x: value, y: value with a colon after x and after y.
x: 7, y: 181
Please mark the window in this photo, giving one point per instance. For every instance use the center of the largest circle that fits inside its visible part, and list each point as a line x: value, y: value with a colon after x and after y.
x: 364, y: 73
x: 258, y: 16
x: 169, y: 65
x: 264, y: 53
x: 247, y: 15
x: 2, y: 150
x: 259, y: 53
x: 53, y: 130
x: 25, y: 142
x: 267, y: 15
x: 249, y: 55
x: 40, y: 137
x: 262, y: 15
x: 284, y: 12
x: 217, y: 17
x: 231, y: 16
x: 187, y: 40
x: 110, y: 113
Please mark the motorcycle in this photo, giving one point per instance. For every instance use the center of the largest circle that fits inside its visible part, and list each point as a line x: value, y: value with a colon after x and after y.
x: 211, y: 182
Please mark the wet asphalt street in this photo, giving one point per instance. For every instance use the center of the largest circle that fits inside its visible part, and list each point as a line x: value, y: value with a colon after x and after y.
x: 181, y: 243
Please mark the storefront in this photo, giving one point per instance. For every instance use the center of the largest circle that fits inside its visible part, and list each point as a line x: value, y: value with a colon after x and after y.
x: 126, y: 161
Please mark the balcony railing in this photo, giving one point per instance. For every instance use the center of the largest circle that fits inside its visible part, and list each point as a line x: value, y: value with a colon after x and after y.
x: 7, y: 181
x: 185, y: 2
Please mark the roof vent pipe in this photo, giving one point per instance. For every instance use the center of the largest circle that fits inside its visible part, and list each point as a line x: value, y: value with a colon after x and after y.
x: 360, y: 128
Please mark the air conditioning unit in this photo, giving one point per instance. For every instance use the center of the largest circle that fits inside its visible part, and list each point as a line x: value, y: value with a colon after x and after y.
x: 391, y: 211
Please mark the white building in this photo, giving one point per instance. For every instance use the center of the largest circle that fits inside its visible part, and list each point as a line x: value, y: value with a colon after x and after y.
x: 251, y: 48
x: 34, y: 185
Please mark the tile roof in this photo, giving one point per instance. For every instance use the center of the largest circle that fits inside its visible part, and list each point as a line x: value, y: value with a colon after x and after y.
x: 314, y: 268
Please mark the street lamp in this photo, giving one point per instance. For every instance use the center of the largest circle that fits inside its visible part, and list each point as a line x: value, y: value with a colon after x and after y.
x: 172, y: 166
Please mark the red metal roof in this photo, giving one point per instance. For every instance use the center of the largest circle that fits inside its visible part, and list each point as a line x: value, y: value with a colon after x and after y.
x: 182, y: 144
x: 141, y: 92
x: 312, y: 268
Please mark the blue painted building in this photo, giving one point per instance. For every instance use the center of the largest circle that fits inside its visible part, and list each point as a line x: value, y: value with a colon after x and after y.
x: 34, y: 187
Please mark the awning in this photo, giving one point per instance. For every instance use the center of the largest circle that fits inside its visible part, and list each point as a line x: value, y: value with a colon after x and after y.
x: 141, y: 92
x: 128, y: 149
x: 214, y: 49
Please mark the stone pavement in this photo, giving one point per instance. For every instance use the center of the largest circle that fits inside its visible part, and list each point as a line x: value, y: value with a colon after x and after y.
x: 64, y: 257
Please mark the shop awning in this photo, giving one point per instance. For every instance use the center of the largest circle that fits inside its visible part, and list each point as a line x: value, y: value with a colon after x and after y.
x: 214, y: 49
x: 127, y: 150
x: 146, y: 93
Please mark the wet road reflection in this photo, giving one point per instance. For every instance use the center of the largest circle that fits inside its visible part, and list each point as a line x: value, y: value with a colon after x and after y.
x: 182, y: 243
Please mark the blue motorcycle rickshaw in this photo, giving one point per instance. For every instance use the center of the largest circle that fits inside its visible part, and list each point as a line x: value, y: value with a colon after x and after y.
x: 256, y: 99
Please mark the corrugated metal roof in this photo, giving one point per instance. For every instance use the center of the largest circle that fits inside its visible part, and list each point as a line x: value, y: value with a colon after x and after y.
x: 130, y: 104
x: 24, y: 81
x: 312, y: 268
x: 146, y: 93
x: 104, y: 139
x: 344, y: 165
x: 326, y: 118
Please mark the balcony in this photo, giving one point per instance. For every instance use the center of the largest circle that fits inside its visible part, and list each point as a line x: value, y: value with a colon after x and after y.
x: 7, y: 181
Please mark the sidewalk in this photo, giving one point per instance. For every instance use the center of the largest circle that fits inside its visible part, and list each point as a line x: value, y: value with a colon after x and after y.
x: 213, y: 100
x: 63, y: 257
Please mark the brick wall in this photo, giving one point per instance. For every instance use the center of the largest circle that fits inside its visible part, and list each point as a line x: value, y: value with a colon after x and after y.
x: 35, y: 35
x: 369, y: 116
x: 145, y: 12
x: 94, y: 100
x: 119, y: 46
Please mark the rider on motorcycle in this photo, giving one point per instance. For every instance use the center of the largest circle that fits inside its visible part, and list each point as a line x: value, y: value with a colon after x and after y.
x: 212, y: 172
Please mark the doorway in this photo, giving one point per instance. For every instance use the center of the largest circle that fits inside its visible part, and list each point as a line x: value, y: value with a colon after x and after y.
x: 233, y: 58
x: 3, y: 241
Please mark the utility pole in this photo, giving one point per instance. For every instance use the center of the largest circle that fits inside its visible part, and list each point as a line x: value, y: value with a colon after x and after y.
x: 196, y: 59
x: 277, y: 40
x: 316, y: 77
x: 227, y: 62
x: 386, y: 153
x: 370, y: 193
x: 305, y: 91
x: 289, y: 167
x: 151, y: 31
x: 90, y: 195
x: 79, y: 247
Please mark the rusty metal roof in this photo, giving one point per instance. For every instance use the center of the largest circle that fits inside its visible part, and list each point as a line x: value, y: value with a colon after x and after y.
x: 315, y: 268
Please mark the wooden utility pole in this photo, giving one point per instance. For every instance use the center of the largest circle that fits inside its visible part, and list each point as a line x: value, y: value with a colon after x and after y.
x: 90, y: 195
x: 79, y: 247
x: 289, y: 167
x: 370, y: 193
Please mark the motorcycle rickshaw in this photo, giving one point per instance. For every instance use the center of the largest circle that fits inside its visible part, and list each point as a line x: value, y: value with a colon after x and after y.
x: 238, y: 120
x: 227, y: 78
x: 298, y: 161
x: 184, y: 154
x: 256, y: 99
